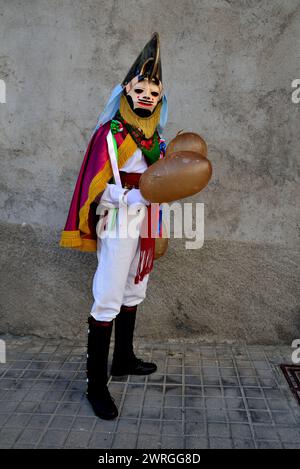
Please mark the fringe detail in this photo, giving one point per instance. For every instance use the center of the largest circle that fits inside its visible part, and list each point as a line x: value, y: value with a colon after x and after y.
x: 145, y: 263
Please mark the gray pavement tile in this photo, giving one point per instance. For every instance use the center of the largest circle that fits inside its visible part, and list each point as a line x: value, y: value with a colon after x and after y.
x: 8, y: 436
x: 194, y: 415
x: 234, y: 403
x: 147, y: 412
x: 105, y: 426
x: 26, y: 407
x: 31, y: 374
x: 84, y: 423
x: 211, y: 381
x: 174, y: 369
x: 193, y: 379
x: 42, y: 389
x: 172, y: 428
x: 289, y: 435
x: 232, y: 392
x: 265, y: 444
x: 256, y: 404
x: 220, y: 430
x: 85, y: 409
x: 260, y: 416
x: 148, y: 442
x: 291, y: 445
x: 238, y: 416
x: 253, y: 392
x: 172, y: 442
x: 67, y: 408
x: 273, y: 394
x: 230, y: 381
x: 152, y: 400
x: 54, y: 437
x: 29, y: 436
x: 265, y: 432
x: 78, y: 439
x: 173, y: 379
x: 35, y: 395
x: 195, y: 428
x: 174, y: 413
x: 8, y: 406
x: 192, y: 442
x: 61, y: 422
x: 239, y: 430
x: 250, y: 382
x: 4, y: 418
x: 124, y: 441
x: 190, y: 390
x: 17, y: 420
x: 192, y: 401
x: 69, y: 396
x: 39, y: 420
x: 213, y: 415
x: 127, y: 425
x: 283, y: 418
x: 173, y: 401
x: 220, y: 443
x: 149, y: 427
x: 243, y: 444
x: 212, y: 391
x: 154, y: 379
x: 214, y: 403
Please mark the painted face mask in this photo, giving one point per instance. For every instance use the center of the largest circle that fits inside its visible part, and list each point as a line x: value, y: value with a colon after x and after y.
x: 143, y: 96
x: 143, y: 82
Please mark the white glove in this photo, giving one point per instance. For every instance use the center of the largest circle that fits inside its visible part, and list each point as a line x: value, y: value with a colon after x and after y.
x: 134, y: 196
x: 113, y: 195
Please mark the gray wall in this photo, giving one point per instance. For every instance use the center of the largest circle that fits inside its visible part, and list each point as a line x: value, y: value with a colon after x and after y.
x: 227, y: 68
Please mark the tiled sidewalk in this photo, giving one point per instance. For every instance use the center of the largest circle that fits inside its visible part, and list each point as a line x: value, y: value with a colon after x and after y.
x: 203, y: 396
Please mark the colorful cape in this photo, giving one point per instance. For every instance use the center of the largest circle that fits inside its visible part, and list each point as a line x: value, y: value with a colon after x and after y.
x: 95, y: 172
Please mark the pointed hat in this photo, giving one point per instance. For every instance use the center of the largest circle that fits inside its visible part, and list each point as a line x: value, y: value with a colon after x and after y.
x: 148, y: 63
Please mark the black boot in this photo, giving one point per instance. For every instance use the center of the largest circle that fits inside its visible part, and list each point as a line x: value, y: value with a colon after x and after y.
x: 97, y: 356
x: 124, y: 360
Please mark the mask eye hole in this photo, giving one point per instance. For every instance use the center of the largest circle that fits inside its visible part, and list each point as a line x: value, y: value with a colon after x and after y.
x: 154, y: 93
x: 138, y: 90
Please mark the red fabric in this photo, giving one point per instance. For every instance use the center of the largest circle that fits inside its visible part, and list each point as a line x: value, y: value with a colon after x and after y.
x: 94, y: 161
x: 148, y: 229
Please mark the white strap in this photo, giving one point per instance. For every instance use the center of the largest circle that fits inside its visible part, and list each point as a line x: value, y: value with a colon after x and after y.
x: 113, y: 159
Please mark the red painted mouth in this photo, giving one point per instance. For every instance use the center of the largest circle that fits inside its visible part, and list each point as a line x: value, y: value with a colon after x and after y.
x: 143, y: 103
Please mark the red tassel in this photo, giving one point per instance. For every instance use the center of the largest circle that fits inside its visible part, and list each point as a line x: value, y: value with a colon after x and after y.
x: 147, y: 245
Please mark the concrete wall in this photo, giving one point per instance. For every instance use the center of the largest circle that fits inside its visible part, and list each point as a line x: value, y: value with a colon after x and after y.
x: 227, y: 68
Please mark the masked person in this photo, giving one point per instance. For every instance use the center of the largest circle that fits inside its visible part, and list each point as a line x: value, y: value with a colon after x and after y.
x: 126, y: 141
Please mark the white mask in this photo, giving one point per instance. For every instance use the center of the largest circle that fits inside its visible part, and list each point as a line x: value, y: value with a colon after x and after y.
x: 145, y: 94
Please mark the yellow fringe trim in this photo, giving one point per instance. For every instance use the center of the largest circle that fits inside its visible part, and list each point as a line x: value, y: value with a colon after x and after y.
x: 70, y: 239
x: 148, y: 125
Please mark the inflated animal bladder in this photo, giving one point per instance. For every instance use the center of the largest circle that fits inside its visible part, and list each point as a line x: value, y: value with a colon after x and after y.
x: 187, y: 141
x: 181, y: 174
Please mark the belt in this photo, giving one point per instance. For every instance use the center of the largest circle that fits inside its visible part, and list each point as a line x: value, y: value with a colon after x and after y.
x: 130, y: 180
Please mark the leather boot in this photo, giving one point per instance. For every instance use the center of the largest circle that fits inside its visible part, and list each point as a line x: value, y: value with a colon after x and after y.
x: 99, y: 335
x: 124, y: 360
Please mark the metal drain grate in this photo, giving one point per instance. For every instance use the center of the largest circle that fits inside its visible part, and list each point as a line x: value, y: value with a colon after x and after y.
x: 292, y: 375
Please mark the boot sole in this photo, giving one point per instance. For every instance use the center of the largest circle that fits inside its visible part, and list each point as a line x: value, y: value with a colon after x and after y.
x: 133, y: 373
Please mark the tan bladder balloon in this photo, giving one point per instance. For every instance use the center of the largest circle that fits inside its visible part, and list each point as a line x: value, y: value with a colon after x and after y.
x: 187, y: 141
x: 181, y: 175
x: 161, y: 245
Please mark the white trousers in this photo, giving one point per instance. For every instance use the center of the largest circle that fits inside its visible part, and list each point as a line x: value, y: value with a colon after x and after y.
x: 113, y: 283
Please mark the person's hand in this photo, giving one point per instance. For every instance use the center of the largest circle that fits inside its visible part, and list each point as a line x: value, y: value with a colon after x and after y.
x: 134, y: 196
x: 113, y: 195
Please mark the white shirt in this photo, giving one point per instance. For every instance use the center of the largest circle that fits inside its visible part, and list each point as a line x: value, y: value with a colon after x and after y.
x: 135, y: 164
